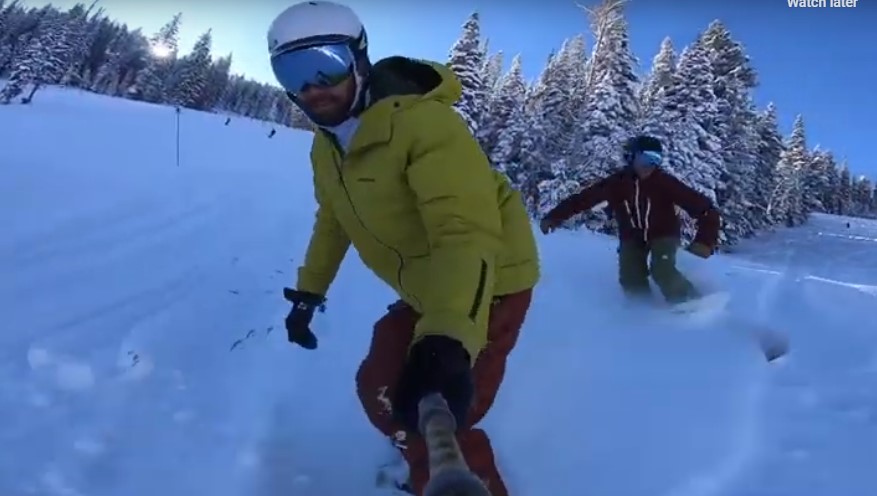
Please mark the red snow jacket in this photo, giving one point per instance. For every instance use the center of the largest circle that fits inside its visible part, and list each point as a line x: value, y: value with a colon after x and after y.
x: 645, y: 208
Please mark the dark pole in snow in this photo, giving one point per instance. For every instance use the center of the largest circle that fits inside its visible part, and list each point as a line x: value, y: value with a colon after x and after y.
x: 178, y: 136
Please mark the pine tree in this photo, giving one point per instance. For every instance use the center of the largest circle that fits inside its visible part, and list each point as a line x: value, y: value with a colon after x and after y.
x: 845, y: 191
x: 506, y: 105
x: 217, y: 81
x: 42, y: 63
x: 76, y: 42
x: 767, y: 186
x: 735, y: 126
x: 193, y: 73
x: 492, y: 70
x: 547, y: 100
x: 862, y: 193
x: 660, y: 78
x: 686, y: 126
x: 825, y: 191
x: 610, y: 117
x: 534, y: 165
x: 507, y: 154
x: 467, y: 60
x: 603, y: 19
x: 739, y: 141
x: 727, y: 57
x: 151, y: 84
x: 791, y: 170
x: 574, y: 54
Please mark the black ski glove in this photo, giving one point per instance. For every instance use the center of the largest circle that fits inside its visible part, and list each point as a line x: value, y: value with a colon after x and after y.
x: 435, y: 364
x: 298, y: 322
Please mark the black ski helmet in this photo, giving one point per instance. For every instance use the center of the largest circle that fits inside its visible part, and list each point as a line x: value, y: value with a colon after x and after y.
x: 641, y: 143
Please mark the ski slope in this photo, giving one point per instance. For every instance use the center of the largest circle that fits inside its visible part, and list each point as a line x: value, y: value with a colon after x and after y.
x: 142, y: 350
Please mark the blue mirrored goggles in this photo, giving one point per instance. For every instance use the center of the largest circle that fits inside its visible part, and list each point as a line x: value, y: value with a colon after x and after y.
x: 648, y: 159
x: 323, y: 66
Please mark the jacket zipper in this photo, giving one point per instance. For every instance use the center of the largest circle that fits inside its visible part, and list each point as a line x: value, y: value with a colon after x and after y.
x: 479, y: 291
x: 338, y: 168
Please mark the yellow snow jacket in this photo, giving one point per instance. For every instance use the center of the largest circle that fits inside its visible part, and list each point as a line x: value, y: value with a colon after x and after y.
x: 416, y: 197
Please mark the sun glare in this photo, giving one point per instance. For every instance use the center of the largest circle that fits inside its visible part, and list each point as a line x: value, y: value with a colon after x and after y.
x: 161, y: 50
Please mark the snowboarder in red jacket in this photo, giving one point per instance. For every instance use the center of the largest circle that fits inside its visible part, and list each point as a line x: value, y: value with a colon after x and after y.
x: 643, y: 199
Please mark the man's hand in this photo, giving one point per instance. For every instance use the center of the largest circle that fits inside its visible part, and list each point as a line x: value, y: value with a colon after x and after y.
x: 699, y: 249
x: 548, y: 225
x: 436, y: 364
x: 298, y: 322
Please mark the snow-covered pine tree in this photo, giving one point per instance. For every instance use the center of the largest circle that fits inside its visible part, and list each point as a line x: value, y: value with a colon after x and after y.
x: 151, y: 84
x: 554, y: 190
x: 43, y: 61
x: 862, y: 194
x: 845, y: 191
x: 686, y: 126
x: 609, y: 118
x: 99, y: 33
x: 566, y: 79
x: 548, y: 100
x: 492, y: 70
x: 826, y: 194
x: 21, y: 28
x: 733, y: 79
x: 77, y: 39
x: 767, y: 191
x: 575, y: 59
x: 603, y: 18
x: 660, y: 77
x: 490, y: 74
x: 4, y: 18
x: 193, y: 71
x: 791, y: 170
x: 506, y: 104
x: 727, y: 57
x: 467, y: 61
x: 534, y: 165
x: 506, y: 155
x: 216, y: 83
x: 126, y: 57
x: 736, y: 128
x: 817, y: 180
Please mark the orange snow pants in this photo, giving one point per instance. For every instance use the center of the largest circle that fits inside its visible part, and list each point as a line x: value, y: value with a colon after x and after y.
x: 379, y: 372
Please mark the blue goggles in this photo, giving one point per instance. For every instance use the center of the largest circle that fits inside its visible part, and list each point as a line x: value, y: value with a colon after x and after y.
x: 322, y: 66
x: 648, y: 159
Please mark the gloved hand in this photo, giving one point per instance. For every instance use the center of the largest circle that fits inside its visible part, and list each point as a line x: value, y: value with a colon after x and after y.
x: 547, y: 225
x: 699, y: 249
x: 435, y: 364
x: 298, y: 322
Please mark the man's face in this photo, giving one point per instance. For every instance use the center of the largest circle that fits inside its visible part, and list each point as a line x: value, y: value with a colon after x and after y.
x: 329, y: 105
x: 644, y: 163
x: 642, y: 170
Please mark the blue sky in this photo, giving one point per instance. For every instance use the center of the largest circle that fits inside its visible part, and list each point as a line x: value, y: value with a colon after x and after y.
x: 820, y: 62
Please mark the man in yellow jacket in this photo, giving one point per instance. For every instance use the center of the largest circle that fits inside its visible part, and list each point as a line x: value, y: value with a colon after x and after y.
x: 398, y: 176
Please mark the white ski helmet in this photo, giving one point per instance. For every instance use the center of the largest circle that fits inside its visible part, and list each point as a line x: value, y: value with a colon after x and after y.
x: 316, y: 22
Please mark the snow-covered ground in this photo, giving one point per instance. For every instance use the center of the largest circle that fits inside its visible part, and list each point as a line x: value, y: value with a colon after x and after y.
x: 138, y: 300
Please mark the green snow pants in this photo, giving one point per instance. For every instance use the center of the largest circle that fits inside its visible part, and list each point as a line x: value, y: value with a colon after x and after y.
x: 634, y: 270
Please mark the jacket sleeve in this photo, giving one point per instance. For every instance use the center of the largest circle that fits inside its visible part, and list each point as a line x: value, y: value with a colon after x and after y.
x: 699, y: 208
x: 453, y: 183
x: 326, y: 249
x: 585, y: 199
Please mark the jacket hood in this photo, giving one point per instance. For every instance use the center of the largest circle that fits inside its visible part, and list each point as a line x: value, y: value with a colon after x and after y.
x: 398, y: 76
